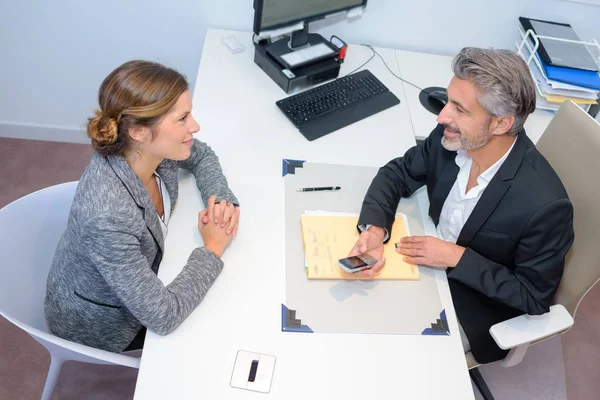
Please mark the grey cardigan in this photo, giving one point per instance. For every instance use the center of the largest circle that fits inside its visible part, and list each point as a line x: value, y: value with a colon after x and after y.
x: 102, y: 287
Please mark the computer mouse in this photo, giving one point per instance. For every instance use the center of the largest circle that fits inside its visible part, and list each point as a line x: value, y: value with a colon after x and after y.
x: 439, y: 96
x: 433, y: 99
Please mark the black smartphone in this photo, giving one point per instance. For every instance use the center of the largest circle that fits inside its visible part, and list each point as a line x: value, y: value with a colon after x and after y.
x: 357, y: 263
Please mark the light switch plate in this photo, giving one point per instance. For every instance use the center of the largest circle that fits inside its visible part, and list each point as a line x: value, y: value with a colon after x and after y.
x: 264, y: 371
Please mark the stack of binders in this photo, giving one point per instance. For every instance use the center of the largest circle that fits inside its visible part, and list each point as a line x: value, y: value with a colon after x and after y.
x: 563, y: 66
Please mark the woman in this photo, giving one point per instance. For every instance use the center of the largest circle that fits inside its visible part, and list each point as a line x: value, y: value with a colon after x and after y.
x: 102, y: 289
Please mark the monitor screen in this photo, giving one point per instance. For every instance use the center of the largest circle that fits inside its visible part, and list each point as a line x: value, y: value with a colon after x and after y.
x: 271, y: 14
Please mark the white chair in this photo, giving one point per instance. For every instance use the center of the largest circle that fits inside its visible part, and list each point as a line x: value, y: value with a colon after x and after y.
x: 29, y: 230
x: 571, y: 144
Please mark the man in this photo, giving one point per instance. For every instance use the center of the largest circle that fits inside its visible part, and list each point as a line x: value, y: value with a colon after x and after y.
x: 504, y: 220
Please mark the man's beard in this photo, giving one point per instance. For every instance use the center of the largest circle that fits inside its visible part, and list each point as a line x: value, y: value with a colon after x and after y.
x: 464, y: 143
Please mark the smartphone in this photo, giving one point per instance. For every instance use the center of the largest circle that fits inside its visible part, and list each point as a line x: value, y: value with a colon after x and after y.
x: 357, y: 263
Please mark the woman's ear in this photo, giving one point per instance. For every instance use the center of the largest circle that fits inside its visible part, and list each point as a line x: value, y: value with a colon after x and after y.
x: 139, y: 134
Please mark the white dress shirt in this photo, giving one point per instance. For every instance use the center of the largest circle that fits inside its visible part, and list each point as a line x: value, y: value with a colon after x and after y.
x: 166, y: 200
x: 460, y: 204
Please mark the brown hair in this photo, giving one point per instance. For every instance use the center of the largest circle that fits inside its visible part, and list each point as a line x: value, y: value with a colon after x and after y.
x: 137, y: 93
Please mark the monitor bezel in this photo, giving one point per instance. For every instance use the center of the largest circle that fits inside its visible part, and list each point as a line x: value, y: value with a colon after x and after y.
x: 258, y: 8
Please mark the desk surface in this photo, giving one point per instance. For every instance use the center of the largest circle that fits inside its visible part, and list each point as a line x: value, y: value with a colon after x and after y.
x: 426, y: 70
x: 234, y: 102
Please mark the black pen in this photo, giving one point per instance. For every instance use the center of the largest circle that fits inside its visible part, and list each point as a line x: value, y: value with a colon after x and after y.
x: 319, y: 189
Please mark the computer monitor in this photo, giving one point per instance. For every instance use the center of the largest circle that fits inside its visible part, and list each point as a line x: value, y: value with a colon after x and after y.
x: 274, y: 14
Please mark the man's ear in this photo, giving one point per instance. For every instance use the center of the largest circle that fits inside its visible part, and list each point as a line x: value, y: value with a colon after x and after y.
x: 501, y: 125
x: 139, y: 133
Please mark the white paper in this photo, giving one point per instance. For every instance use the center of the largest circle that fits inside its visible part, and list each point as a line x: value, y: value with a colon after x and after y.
x: 298, y: 57
x: 566, y: 86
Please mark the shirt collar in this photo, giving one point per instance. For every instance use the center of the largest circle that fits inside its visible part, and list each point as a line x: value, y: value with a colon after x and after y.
x: 489, y: 173
x: 463, y: 158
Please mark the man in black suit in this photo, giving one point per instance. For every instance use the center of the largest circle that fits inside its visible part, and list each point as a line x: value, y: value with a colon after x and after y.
x: 504, y: 220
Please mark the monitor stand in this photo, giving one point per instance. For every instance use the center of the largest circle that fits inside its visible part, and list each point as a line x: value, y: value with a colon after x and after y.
x: 299, y: 39
x: 301, y: 48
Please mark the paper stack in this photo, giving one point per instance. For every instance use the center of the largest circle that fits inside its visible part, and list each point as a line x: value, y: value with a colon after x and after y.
x: 329, y: 237
x: 558, y: 84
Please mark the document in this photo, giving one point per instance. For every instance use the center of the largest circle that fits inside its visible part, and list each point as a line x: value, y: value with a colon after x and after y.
x: 330, y: 236
x: 548, y: 88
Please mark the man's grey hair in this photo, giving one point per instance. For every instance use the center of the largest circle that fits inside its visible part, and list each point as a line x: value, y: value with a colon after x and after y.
x: 502, y: 80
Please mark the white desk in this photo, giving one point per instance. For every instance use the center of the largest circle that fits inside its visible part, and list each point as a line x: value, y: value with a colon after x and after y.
x: 234, y: 102
x: 425, y: 70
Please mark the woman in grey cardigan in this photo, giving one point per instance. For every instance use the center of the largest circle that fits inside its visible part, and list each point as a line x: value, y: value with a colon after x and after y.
x: 102, y: 289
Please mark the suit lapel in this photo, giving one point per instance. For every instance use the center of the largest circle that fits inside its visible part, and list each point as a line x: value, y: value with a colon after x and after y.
x: 496, y: 189
x: 487, y: 203
x: 140, y: 195
x: 440, y: 193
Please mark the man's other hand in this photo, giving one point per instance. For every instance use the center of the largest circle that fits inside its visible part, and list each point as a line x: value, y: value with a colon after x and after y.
x: 427, y: 250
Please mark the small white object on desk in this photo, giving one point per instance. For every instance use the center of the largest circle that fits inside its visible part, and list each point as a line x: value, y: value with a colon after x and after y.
x: 253, y: 371
x: 232, y: 44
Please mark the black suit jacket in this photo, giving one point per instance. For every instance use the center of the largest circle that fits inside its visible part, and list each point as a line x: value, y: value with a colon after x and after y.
x: 516, y: 238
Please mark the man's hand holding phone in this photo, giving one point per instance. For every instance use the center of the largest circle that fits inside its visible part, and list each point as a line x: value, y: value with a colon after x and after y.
x: 370, y: 242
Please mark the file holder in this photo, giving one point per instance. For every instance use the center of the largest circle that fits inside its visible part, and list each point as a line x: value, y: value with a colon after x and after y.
x: 527, y: 37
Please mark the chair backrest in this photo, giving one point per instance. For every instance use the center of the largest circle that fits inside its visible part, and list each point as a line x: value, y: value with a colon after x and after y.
x: 571, y: 144
x: 30, y: 229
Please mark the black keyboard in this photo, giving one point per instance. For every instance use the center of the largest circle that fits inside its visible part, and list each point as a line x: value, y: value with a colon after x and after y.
x: 327, y: 108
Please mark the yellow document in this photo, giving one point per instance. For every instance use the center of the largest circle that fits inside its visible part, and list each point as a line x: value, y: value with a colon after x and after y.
x: 327, y: 238
x: 562, y: 99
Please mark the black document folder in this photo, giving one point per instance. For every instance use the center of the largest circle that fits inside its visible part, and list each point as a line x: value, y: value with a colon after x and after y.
x: 558, y: 53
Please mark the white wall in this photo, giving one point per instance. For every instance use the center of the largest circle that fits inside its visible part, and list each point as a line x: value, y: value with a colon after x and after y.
x: 56, y: 53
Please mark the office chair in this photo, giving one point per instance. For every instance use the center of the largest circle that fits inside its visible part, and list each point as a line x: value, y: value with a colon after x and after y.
x: 30, y: 229
x: 571, y: 144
